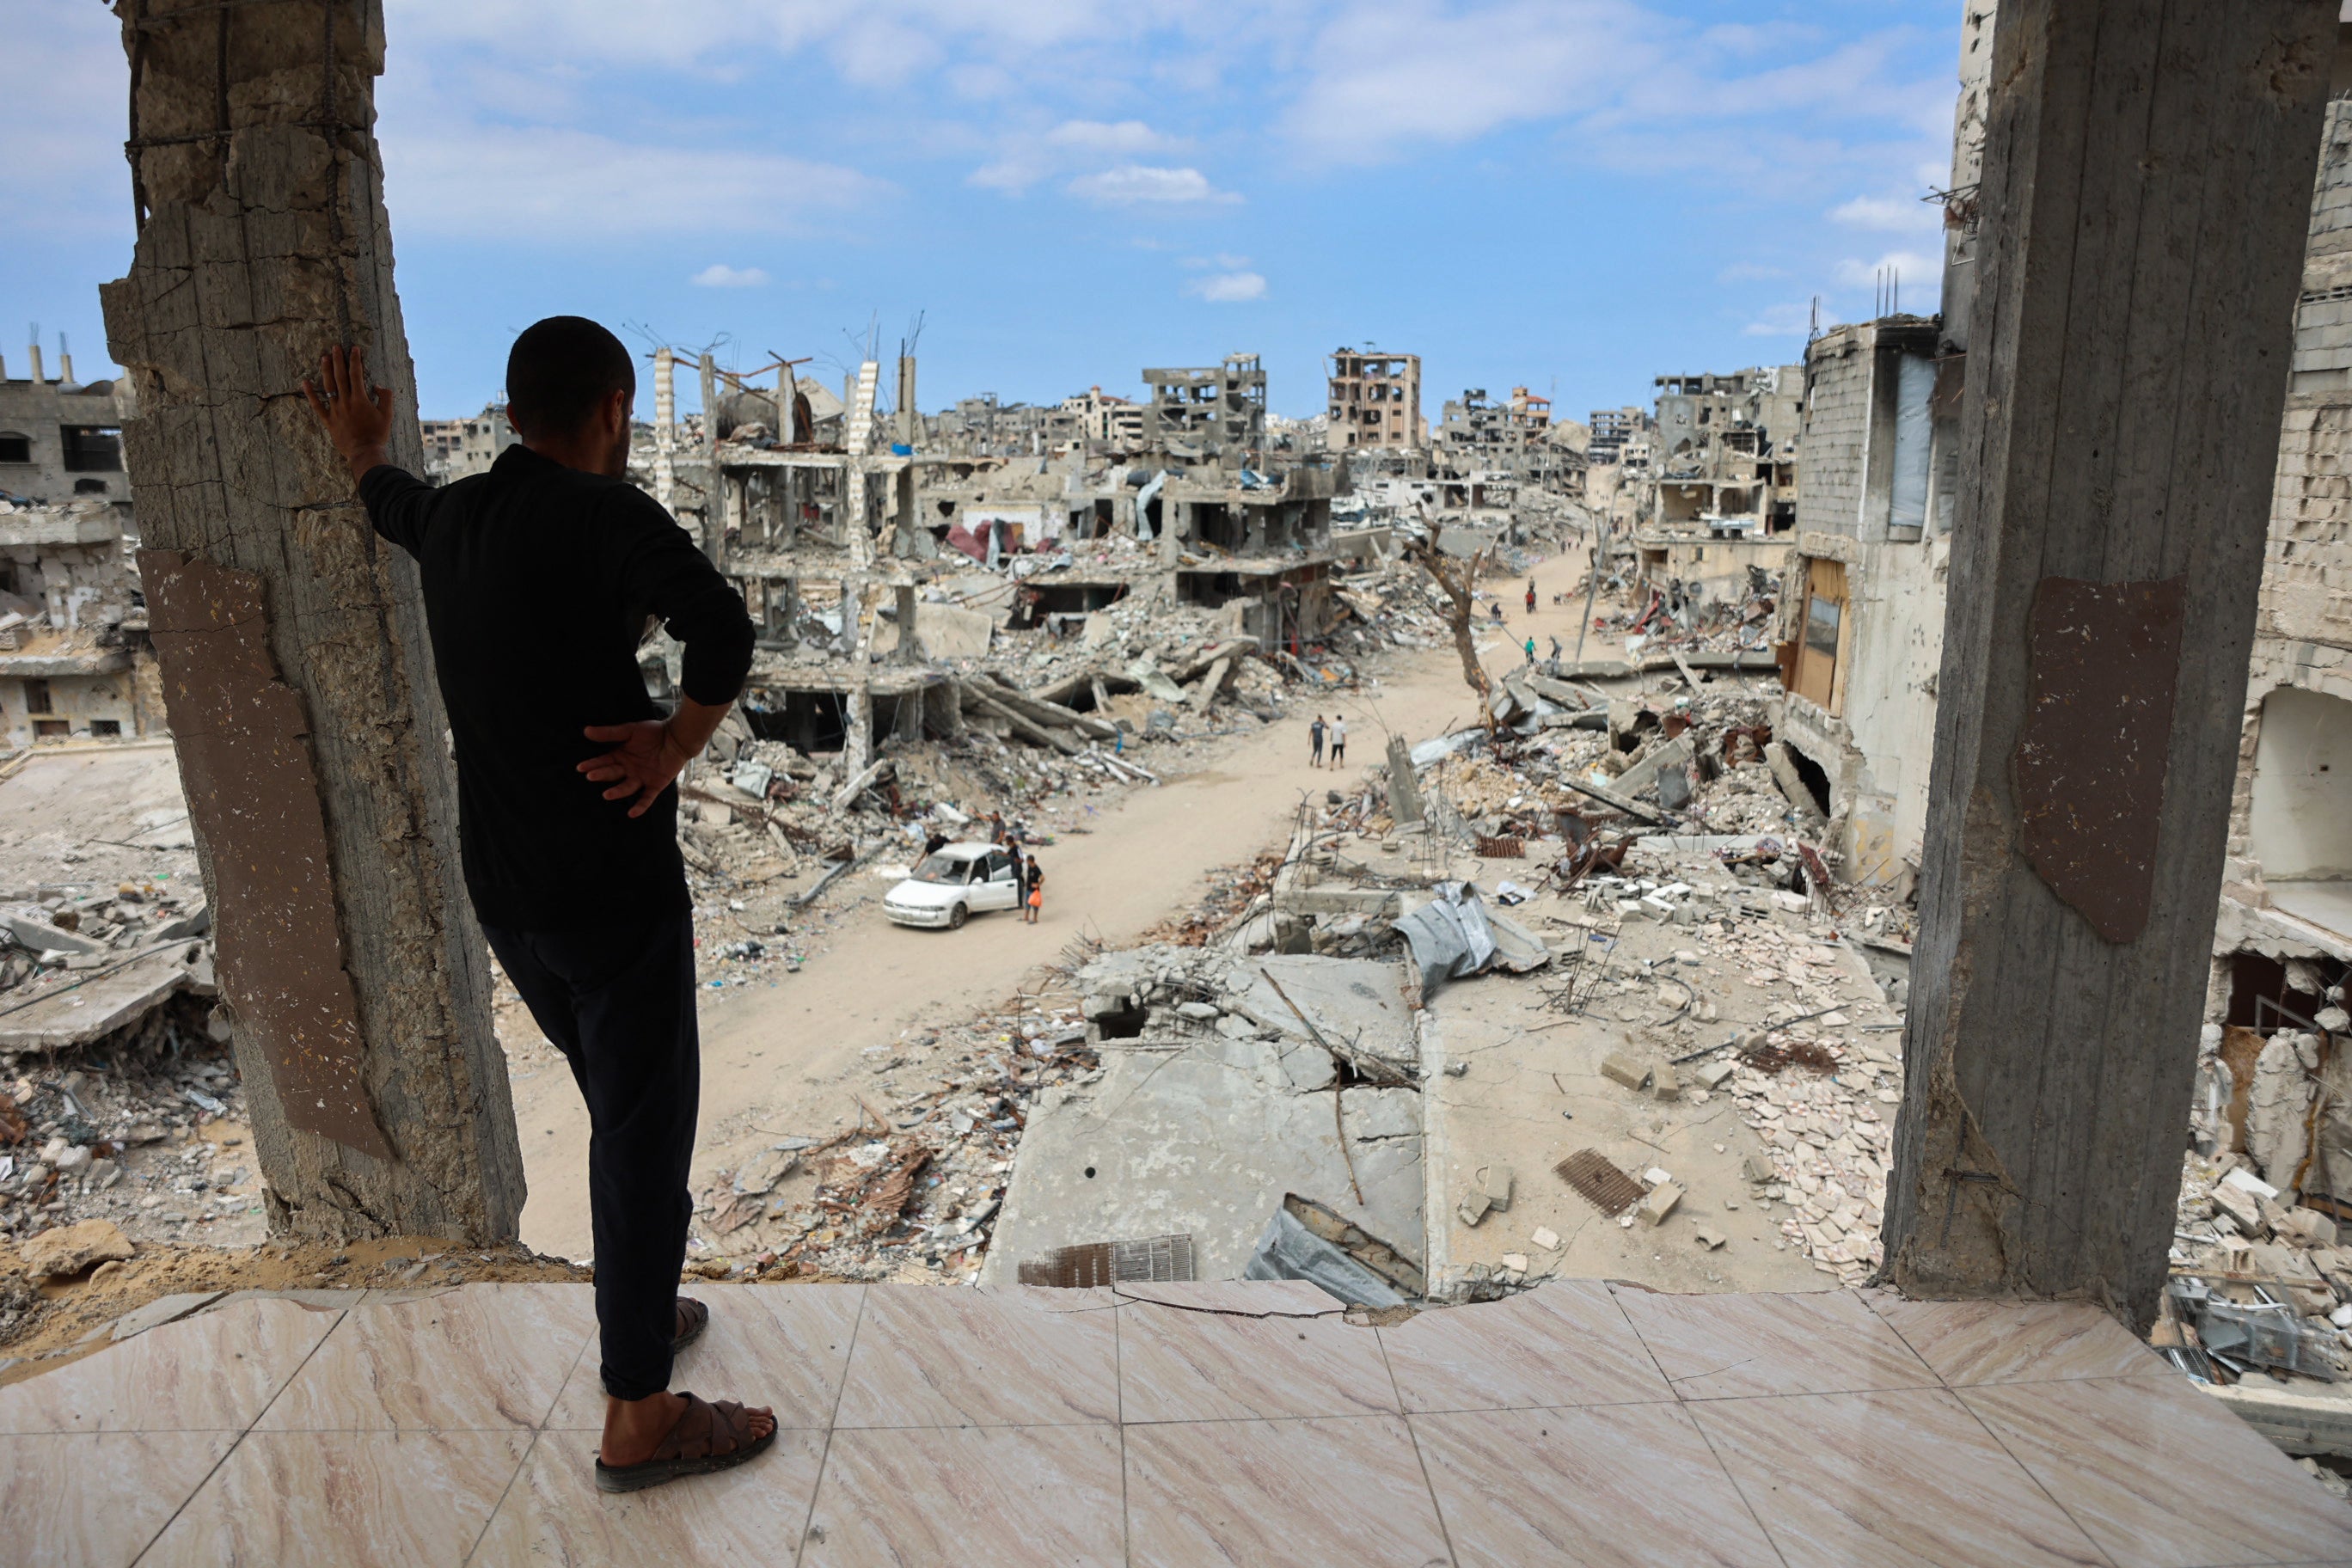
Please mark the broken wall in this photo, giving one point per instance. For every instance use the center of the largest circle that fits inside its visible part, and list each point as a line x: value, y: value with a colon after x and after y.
x: 1881, y: 739
x: 2302, y: 636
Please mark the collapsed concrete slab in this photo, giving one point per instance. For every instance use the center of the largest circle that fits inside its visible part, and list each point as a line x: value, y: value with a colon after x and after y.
x: 1227, y: 1085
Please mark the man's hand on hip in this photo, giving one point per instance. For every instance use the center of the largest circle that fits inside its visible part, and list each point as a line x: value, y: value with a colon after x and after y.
x: 358, y: 416
x: 647, y: 754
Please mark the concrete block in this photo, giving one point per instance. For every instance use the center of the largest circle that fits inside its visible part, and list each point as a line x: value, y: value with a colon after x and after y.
x: 1664, y: 1084
x: 1472, y: 1207
x: 1712, y: 1074
x: 1624, y: 1070
x: 1495, y: 1181
x: 1661, y: 1202
x: 29, y: 928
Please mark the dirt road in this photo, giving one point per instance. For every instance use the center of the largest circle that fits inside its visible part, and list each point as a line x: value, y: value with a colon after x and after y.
x: 782, y: 1058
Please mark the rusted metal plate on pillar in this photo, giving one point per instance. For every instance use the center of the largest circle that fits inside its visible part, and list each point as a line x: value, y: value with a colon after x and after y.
x: 2091, y: 758
x: 244, y: 759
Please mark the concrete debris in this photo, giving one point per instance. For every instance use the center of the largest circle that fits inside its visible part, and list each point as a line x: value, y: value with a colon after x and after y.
x: 70, y: 1249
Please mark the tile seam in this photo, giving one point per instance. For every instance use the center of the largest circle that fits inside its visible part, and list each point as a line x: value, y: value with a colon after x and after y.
x: 824, y: 1455
x: 230, y: 1452
x: 1429, y: 1484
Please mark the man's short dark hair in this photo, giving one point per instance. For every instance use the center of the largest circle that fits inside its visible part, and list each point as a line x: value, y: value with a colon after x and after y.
x: 560, y: 370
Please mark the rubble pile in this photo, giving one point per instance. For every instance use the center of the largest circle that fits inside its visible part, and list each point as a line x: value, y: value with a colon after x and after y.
x: 909, y: 1191
x: 147, y: 1133
x: 1817, y: 1083
x: 2260, y: 1281
x: 2262, y: 1266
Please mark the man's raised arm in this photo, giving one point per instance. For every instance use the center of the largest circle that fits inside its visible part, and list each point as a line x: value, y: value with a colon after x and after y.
x: 358, y: 418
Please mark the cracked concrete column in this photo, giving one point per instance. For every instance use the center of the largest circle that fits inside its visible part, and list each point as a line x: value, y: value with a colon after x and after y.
x: 295, y: 667
x: 664, y: 426
x: 2146, y: 184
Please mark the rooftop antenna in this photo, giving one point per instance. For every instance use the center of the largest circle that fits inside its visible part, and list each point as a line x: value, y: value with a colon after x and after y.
x: 1894, y: 286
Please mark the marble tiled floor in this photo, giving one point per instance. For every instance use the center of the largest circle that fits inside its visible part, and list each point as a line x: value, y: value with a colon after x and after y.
x: 1185, y: 1425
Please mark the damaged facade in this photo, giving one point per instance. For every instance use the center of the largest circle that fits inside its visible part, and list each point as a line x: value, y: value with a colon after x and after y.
x: 1375, y: 402
x: 75, y: 661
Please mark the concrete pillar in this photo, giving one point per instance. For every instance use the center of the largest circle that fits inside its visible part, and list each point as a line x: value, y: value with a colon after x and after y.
x: 788, y: 430
x: 664, y: 426
x: 2146, y: 184
x: 291, y: 644
x: 714, y: 519
x: 908, y: 652
x: 858, y: 720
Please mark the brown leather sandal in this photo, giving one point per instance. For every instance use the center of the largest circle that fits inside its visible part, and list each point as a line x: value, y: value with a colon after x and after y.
x: 698, y: 1318
x: 707, y: 1437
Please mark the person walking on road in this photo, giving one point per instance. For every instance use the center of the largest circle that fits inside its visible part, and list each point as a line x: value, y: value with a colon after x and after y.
x: 1033, y: 893
x: 1339, y: 739
x: 1531, y: 595
x: 1315, y: 739
x: 1531, y: 647
x: 539, y: 579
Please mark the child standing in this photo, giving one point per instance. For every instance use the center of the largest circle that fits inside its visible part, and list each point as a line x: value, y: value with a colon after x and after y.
x: 1339, y: 739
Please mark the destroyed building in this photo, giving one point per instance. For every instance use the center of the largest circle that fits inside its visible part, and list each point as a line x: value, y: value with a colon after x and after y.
x: 2273, y: 1082
x: 1611, y: 427
x: 455, y: 448
x: 1719, y: 494
x: 1115, y: 423
x: 75, y: 663
x: 1375, y: 401
x: 1213, y: 412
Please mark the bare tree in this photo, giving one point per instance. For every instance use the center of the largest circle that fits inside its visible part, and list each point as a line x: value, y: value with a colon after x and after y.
x: 297, y: 674
x: 1459, y: 580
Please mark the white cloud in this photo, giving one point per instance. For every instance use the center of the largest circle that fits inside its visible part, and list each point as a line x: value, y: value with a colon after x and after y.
x: 1892, y: 214
x: 1127, y: 137
x: 1228, y: 288
x: 1029, y: 157
x: 1388, y: 75
x: 718, y: 275
x: 1908, y: 266
x: 61, y: 121
x: 1784, y: 320
x: 1132, y: 183
x: 492, y: 182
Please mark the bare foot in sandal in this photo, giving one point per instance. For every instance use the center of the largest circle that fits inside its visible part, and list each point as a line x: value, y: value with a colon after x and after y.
x: 636, y: 1429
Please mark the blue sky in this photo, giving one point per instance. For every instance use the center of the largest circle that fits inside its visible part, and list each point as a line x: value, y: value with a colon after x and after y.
x: 1571, y: 195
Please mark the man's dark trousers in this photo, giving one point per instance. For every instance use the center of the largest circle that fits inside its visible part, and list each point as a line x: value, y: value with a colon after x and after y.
x: 618, y: 1001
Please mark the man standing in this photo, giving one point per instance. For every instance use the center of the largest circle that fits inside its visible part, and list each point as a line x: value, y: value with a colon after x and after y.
x: 541, y: 577
x: 1339, y: 739
x: 1531, y: 595
x: 1315, y: 739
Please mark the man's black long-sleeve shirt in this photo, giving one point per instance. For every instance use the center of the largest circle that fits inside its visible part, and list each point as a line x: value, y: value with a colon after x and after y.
x: 537, y: 579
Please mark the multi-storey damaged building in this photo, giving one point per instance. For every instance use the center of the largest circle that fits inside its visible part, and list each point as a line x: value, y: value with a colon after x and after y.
x: 1705, y: 486
x: 455, y: 448
x: 2285, y: 934
x: 1375, y: 402
x: 1215, y: 412
x: 75, y: 662
x: 878, y: 552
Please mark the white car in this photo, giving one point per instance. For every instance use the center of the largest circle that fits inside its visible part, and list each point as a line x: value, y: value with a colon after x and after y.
x: 953, y: 884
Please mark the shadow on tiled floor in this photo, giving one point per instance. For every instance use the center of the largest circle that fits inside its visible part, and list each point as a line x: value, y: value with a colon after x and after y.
x: 1580, y: 1423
